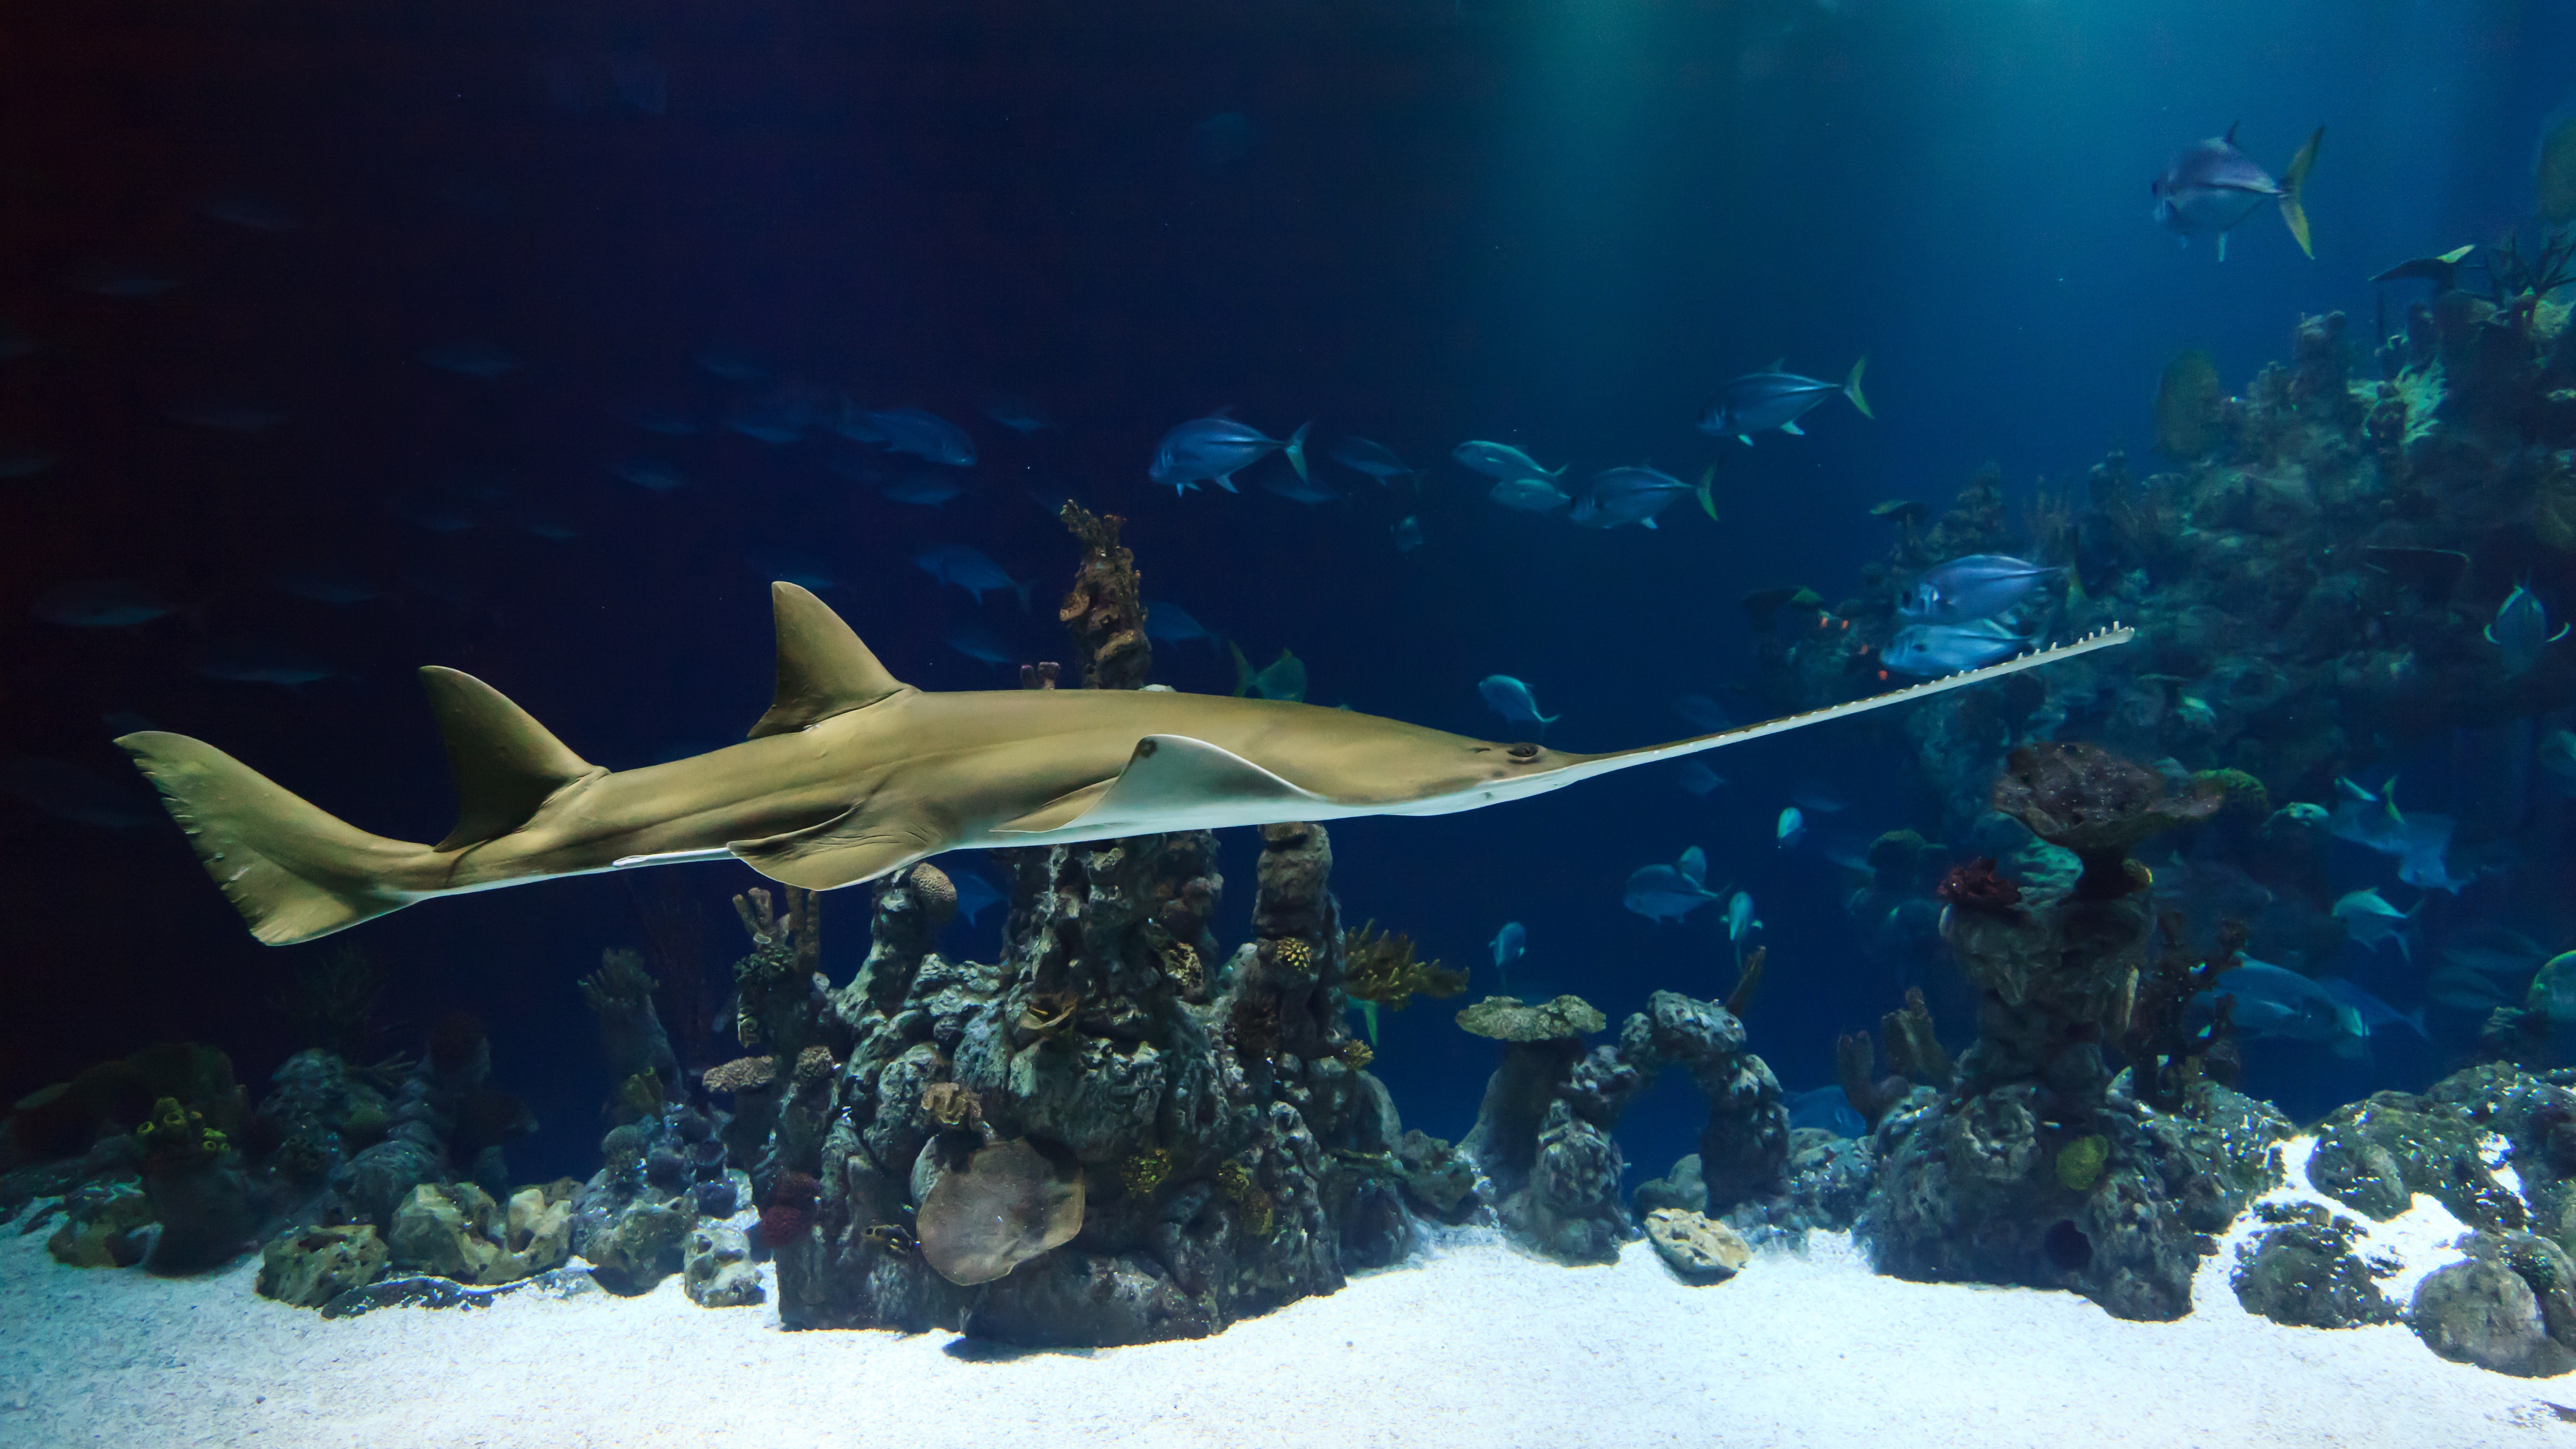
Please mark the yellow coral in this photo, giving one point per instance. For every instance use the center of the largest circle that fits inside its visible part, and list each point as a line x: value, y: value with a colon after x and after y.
x: 1355, y: 1054
x: 1381, y: 968
x: 1144, y: 1170
x: 1181, y: 963
x: 1294, y: 954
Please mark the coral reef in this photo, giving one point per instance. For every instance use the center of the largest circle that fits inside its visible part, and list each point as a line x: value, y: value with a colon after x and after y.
x: 2303, y: 1271
x: 620, y: 996
x: 1199, y: 1107
x: 1698, y: 1249
x: 457, y: 1231
x: 2032, y: 1168
x: 661, y: 1174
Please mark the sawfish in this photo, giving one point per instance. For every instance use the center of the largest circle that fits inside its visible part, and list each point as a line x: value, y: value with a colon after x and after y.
x: 853, y: 775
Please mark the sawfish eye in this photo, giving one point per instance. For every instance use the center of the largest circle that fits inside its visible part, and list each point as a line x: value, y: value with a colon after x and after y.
x: 1523, y: 751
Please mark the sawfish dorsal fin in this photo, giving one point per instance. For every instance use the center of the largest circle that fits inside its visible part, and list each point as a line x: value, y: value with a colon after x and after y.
x: 1167, y: 779
x: 823, y: 669
x: 505, y: 763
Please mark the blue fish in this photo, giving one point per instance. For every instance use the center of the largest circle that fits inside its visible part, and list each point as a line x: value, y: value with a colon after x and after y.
x: 1169, y: 623
x: 969, y: 569
x: 1703, y: 713
x: 1964, y: 590
x: 1670, y: 892
x: 2275, y: 1002
x: 776, y: 420
x: 977, y: 642
x: 1739, y: 919
x: 1502, y: 462
x: 1775, y: 399
x: 2521, y: 630
x: 2374, y: 1013
x: 925, y: 488
x: 260, y: 661
x: 652, y: 475
x: 1512, y: 700
x: 1635, y: 495
x: 1936, y: 649
x: 1510, y: 944
x: 911, y: 430
x: 1699, y: 779
x: 1528, y: 495
x: 1792, y: 827
x: 1300, y: 488
x: 486, y: 360
x: 2212, y: 186
x: 1214, y: 449
x: 1408, y: 533
x: 975, y: 893
x: 1017, y: 413
x: 1826, y: 1109
x: 1377, y: 460
x: 2368, y: 916
x: 104, y: 604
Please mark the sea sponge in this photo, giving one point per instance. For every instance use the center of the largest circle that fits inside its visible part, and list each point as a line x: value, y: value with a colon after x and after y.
x: 742, y: 1074
x: 1008, y: 1205
x: 790, y: 1210
x: 936, y: 892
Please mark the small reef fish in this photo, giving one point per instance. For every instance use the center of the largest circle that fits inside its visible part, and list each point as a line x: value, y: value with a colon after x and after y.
x: 1017, y: 413
x: 977, y: 642
x: 1528, y: 495
x: 1670, y: 892
x: 1775, y: 399
x: 1502, y: 462
x: 2212, y: 186
x: 1936, y: 649
x: 261, y: 661
x: 1510, y: 944
x: 1169, y: 623
x: 1739, y: 919
x: 1512, y: 700
x: 1377, y: 460
x: 469, y: 358
x: 1699, y: 779
x: 926, y: 489
x: 103, y: 604
x: 1408, y: 533
x: 922, y: 434
x: 2371, y: 920
x: 1214, y: 449
x: 969, y: 569
x: 1827, y: 1109
x: 1792, y: 827
x: 2521, y: 630
x: 68, y: 792
x: 1282, y: 678
x: 1635, y: 495
x: 1978, y: 586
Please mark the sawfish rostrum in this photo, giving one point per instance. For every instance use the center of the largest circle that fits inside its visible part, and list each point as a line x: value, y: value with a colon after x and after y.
x: 853, y: 775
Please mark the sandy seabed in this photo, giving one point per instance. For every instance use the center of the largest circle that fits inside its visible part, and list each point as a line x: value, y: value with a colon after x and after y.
x: 1471, y: 1344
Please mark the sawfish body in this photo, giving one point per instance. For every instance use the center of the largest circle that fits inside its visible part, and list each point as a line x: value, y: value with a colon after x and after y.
x: 853, y: 775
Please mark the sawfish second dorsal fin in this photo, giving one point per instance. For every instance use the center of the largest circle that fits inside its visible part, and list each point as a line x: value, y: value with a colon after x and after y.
x: 823, y: 669
x: 505, y: 763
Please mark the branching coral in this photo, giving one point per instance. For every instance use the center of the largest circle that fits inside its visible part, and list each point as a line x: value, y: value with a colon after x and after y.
x: 1381, y: 968
x: 2168, y: 1055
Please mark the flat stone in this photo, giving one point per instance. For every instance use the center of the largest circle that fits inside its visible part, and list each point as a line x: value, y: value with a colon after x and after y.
x: 1698, y: 1248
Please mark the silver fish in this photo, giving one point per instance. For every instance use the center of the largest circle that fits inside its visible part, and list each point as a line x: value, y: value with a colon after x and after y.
x: 1501, y: 461
x: 971, y: 570
x: 1214, y: 449
x: 1528, y: 495
x: 911, y: 430
x: 1775, y: 399
x: 1978, y: 586
x: 2212, y: 186
x: 2521, y: 630
x: 1933, y: 649
x: 1635, y: 495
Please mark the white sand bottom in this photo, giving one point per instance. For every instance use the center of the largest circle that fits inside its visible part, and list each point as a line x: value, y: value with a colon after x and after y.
x: 1471, y: 1345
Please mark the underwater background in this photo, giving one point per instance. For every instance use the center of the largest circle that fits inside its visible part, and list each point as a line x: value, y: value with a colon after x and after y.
x: 415, y: 302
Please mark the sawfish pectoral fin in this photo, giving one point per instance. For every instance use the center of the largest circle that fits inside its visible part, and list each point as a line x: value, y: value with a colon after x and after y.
x: 1172, y: 782
x: 841, y: 851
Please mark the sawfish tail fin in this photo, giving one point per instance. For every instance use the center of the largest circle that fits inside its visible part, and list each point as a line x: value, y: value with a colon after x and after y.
x: 293, y: 870
x: 2293, y: 214
x: 1851, y: 385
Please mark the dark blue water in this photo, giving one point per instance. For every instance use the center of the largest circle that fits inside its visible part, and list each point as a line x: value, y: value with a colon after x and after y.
x: 1556, y: 225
